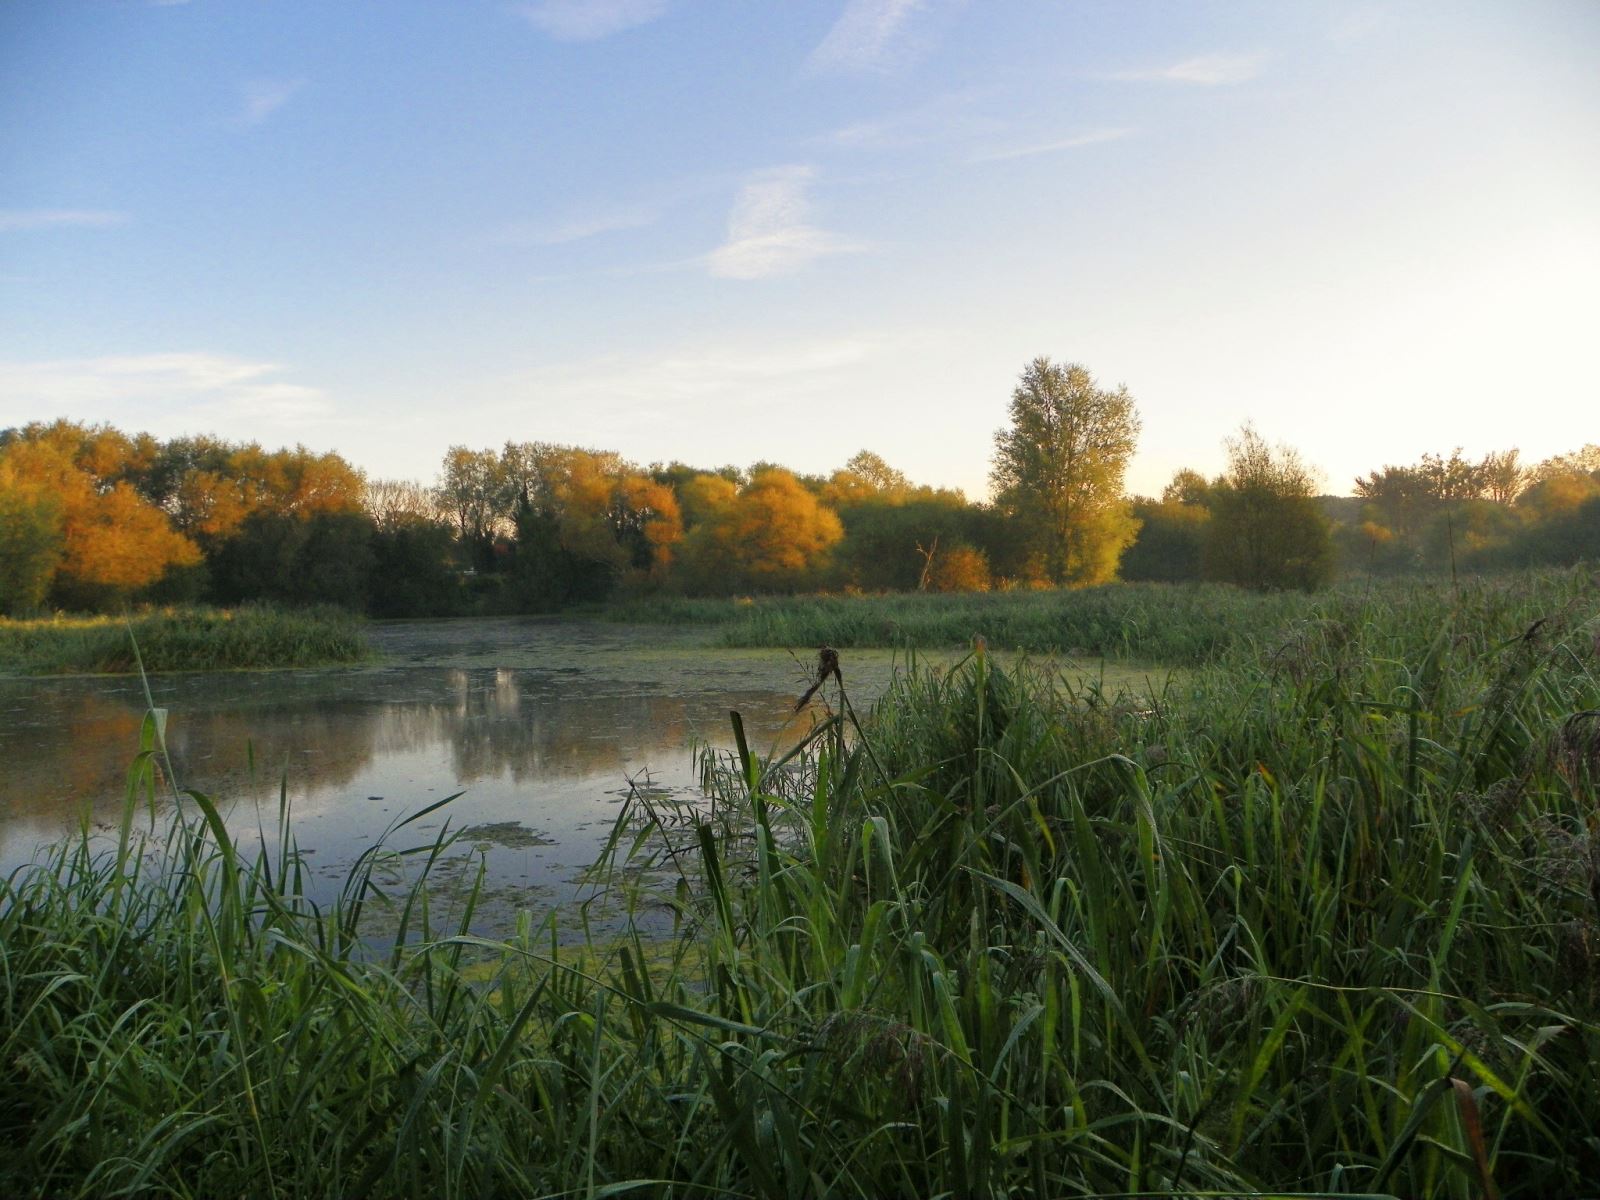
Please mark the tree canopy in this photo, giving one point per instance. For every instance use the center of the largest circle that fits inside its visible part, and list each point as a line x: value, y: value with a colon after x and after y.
x: 93, y: 518
x: 1059, y: 470
x: 1266, y: 530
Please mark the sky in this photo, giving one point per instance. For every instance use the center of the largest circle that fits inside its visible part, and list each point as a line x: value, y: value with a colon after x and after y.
x: 728, y: 232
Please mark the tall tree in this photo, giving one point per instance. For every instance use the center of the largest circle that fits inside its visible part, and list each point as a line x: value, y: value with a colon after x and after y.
x: 1503, y: 475
x: 1059, y: 469
x: 1266, y: 530
x: 472, y: 490
x: 31, y: 542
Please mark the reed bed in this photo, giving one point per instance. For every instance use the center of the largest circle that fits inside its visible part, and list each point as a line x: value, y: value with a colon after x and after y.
x: 1176, y: 624
x: 1323, y: 920
x: 182, y: 639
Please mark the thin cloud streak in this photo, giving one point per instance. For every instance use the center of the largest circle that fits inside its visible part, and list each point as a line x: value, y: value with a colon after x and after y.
x: 1097, y: 138
x: 590, y: 20
x: 620, y: 395
x: 263, y: 97
x: 191, y: 385
x: 21, y: 220
x: 562, y: 233
x: 769, y: 232
x: 864, y: 37
x: 942, y: 119
x: 1205, y: 70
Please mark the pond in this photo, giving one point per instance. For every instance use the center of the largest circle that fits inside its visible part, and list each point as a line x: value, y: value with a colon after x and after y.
x: 542, y: 726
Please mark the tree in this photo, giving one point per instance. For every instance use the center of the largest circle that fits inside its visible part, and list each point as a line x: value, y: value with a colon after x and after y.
x: 1188, y: 486
x: 472, y: 490
x: 961, y: 568
x: 1503, y: 475
x: 1170, y: 547
x: 412, y: 573
x: 324, y: 558
x: 81, y: 529
x: 1579, y: 462
x: 31, y: 543
x: 1059, y: 469
x: 1266, y: 530
x: 772, y: 534
x: 397, y: 503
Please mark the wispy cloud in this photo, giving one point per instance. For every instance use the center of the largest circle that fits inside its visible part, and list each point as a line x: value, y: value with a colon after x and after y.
x: 17, y: 220
x: 1095, y: 138
x: 866, y: 36
x: 1356, y: 24
x: 590, y: 20
x: 576, y: 228
x: 189, y: 385
x: 942, y: 119
x: 618, y: 396
x: 1206, y: 70
x: 769, y: 231
x: 263, y: 97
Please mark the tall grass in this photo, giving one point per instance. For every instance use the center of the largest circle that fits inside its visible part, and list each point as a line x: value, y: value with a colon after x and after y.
x: 1325, y: 921
x: 1178, y: 624
x: 182, y: 639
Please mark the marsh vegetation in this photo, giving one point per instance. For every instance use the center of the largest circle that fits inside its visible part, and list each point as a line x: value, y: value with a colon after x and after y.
x: 182, y: 639
x: 1322, y: 917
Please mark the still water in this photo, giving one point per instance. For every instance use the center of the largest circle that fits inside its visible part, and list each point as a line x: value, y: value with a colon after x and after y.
x: 542, y: 726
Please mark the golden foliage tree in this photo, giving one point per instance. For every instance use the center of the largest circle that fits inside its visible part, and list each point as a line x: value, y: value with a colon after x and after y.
x: 771, y: 534
x: 110, y: 540
x: 959, y: 569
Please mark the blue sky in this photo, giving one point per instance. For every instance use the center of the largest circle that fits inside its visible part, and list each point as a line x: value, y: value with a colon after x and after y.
x: 722, y: 232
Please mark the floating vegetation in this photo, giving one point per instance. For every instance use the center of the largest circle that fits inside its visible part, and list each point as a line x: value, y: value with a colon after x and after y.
x: 512, y: 835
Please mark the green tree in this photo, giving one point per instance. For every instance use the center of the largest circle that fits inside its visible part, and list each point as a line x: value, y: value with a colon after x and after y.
x: 31, y: 545
x: 413, y: 574
x: 1266, y: 530
x: 1059, y: 469
x: 1170, y: 547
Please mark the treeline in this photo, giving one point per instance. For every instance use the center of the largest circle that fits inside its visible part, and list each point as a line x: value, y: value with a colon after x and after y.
x: 539, y: 527
x: 1440, y: 515
x: 93, y: 519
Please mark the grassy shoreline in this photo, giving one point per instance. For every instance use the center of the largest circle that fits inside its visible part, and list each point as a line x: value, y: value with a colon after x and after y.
x: 182, y: 639
x: 1324, y: 919
x: 1185, y: 624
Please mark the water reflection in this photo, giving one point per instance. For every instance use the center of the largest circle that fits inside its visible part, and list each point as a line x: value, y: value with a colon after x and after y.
x: 542, y: 756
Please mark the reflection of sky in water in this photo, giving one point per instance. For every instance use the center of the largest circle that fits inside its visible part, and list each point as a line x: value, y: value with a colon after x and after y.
x: 549, y: 748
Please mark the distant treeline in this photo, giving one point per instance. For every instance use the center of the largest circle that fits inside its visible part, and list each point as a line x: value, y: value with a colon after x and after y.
x: 1438, y: 516
x: 93, y: 519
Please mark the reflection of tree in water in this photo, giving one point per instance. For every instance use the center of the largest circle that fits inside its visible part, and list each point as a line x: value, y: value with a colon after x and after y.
x: 510, y: 723
x: 75, y: 741
x: 322, y: 744
x: 50, y: 764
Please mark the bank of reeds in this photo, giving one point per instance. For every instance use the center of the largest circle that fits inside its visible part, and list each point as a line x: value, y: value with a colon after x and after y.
x: 1177, y: 624
x: 182, y: 639
x: 1325, y: 921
